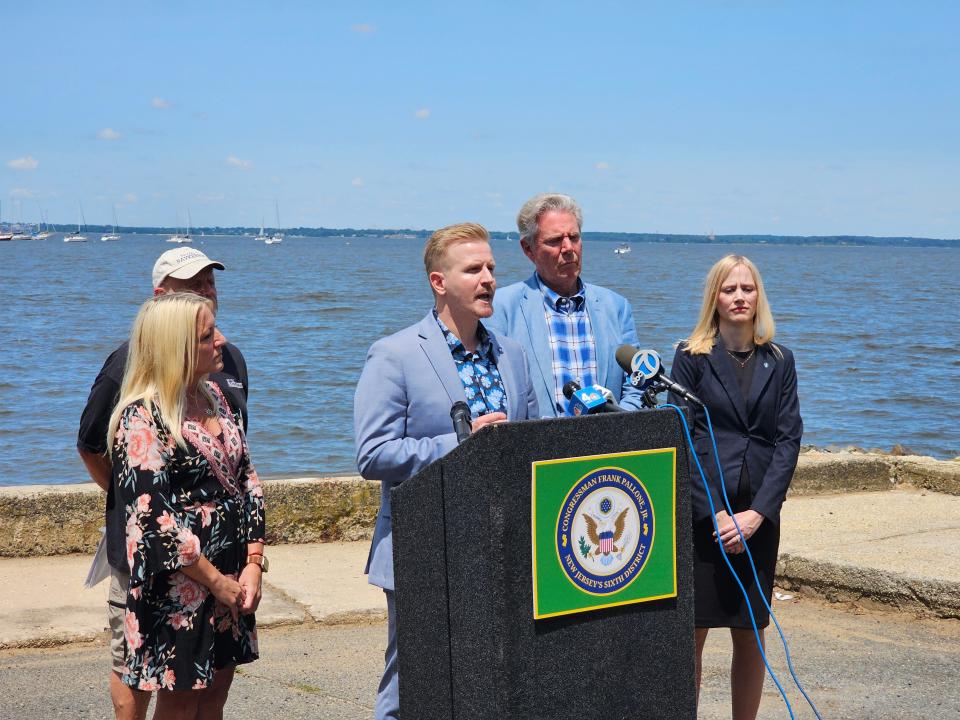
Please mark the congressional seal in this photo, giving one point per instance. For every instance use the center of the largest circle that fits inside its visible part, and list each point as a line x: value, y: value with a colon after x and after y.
x: 605, y: 531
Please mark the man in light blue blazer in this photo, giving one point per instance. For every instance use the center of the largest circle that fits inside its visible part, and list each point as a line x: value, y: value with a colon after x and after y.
x: 409, y: 383
x: 570, y: 329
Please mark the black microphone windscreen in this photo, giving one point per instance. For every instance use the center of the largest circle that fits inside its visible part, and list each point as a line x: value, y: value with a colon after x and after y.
x: 570, y: 388
x: 625, y: 355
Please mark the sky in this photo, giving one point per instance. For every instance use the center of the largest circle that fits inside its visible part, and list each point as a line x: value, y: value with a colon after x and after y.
x: 788, y: 118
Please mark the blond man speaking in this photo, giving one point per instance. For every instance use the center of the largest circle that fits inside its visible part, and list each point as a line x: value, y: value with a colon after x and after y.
x: 411, y: 380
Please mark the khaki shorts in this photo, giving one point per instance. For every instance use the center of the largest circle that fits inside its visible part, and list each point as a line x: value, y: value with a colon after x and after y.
x: 116, y: 609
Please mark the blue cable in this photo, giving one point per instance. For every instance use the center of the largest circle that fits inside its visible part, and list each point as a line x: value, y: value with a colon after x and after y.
x: 723, y: 553
x: 753, y: 567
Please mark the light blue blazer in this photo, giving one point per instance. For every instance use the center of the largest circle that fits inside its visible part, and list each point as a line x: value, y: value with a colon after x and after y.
x: 401, y: 415
x: 518, y: 313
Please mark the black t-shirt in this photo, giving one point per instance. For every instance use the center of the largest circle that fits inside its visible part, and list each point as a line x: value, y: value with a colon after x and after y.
x: 104, y: 395
x: 743, y: 369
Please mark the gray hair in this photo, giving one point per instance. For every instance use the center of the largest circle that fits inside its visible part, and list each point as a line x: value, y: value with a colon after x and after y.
x: 528, y: 219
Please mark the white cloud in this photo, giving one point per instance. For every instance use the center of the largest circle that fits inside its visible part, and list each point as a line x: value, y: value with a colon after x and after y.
x: 160, y: 103
x: 357, y: 182
x: 211, y: 197
x: 21, y: 193
x: 24, y: 163
x: 238, y: 163
x: 422, y: 113
x: 363, y: 28
x: 130, y: 198
x: 602, y: 165
x: 108, y: 134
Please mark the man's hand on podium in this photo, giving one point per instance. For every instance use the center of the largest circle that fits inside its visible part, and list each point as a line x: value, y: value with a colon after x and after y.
x: 488, y: 419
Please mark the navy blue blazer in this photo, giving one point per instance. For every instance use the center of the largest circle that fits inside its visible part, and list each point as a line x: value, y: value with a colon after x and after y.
x: 402, y: 420
x: 762, y: 430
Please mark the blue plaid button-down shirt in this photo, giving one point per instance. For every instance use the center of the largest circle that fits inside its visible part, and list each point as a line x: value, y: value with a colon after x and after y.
x: 572, y: 347
x: 478, y: 371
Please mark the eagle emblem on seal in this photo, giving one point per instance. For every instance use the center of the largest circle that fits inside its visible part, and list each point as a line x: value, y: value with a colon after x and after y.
x: 605, y: 534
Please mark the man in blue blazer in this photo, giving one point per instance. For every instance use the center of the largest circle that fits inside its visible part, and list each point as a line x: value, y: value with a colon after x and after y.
x: 570, y: 329
x: 409, y: 383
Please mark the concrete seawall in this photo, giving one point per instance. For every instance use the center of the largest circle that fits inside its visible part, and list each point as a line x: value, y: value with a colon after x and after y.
x: 39, y: 520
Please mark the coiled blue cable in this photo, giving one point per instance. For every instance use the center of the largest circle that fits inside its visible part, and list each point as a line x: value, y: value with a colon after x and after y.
x: 723, y: 553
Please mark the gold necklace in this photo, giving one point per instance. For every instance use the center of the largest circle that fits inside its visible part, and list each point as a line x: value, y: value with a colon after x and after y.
x: 742, y: 363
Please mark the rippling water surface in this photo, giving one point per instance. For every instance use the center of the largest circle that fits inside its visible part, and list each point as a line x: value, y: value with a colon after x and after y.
x: 875, y: 332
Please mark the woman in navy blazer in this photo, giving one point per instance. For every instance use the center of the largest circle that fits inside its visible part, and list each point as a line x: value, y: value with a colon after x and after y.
x: 749, y: 386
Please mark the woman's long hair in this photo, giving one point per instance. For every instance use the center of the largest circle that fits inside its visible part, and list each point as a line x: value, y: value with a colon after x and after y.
x: 704, y: 335
x: 161, y: 361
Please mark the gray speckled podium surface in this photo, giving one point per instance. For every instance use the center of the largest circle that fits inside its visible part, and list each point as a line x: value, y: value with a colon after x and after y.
x: 469, y: 646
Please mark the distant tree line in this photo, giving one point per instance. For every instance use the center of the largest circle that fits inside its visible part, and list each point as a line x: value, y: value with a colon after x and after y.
x: 619, y: 237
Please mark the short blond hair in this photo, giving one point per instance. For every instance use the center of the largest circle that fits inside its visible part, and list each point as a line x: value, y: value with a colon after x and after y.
x: 441, y: 240
x: 704, y: 335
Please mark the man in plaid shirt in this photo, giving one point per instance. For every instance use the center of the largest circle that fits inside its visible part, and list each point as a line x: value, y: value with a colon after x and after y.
x: 570, y: 329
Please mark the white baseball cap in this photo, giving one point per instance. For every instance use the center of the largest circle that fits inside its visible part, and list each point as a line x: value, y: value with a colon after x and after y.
x: 181, y: 263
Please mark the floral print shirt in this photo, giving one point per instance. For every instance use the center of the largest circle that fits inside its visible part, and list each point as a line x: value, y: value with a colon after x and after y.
x: 478, y: 371
x: 182, y: 503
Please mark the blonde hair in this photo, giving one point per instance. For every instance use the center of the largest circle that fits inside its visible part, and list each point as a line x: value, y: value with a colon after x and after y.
x: 161, y: 360
x: 704, y: 335
x: 441, y: 240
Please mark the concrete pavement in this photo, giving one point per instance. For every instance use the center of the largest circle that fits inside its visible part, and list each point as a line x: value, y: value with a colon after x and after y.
x: 892, y: 547
x: 44, y: 602
x: 856, y: 664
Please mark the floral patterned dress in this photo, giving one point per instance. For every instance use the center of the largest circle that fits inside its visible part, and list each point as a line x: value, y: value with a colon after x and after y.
x: 181, y: 503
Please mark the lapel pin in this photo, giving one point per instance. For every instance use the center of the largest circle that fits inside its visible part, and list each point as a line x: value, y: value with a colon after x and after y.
x: 766, y: 364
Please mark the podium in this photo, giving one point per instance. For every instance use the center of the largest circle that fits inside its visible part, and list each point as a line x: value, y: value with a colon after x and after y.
x: 499, y: 619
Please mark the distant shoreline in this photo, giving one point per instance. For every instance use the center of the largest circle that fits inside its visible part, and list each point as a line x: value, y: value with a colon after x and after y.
x: 619, y: 237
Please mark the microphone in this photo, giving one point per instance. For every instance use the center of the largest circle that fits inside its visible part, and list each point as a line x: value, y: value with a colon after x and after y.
x: 646, y: 371
x: 590, y: 400
x: 570, y: 388
x: 462, y: 425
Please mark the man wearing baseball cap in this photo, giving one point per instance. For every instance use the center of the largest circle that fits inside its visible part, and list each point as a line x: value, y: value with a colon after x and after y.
x: 179, y: 270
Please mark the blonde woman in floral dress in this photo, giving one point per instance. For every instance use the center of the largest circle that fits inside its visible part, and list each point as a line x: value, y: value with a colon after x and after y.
x: 194, y: 507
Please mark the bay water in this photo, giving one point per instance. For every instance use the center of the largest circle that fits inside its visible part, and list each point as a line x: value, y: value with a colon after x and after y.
x: 874, y: 330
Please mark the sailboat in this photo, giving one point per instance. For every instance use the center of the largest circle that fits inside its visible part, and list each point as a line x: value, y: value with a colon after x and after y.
x: 113, y: 233
x: 20, y: 231
x: 277, y: 236
x: 262, y: 235
x: 5, y: 235
x: 42, y: 234
x: 76, y: 236
x: 182, y: 238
